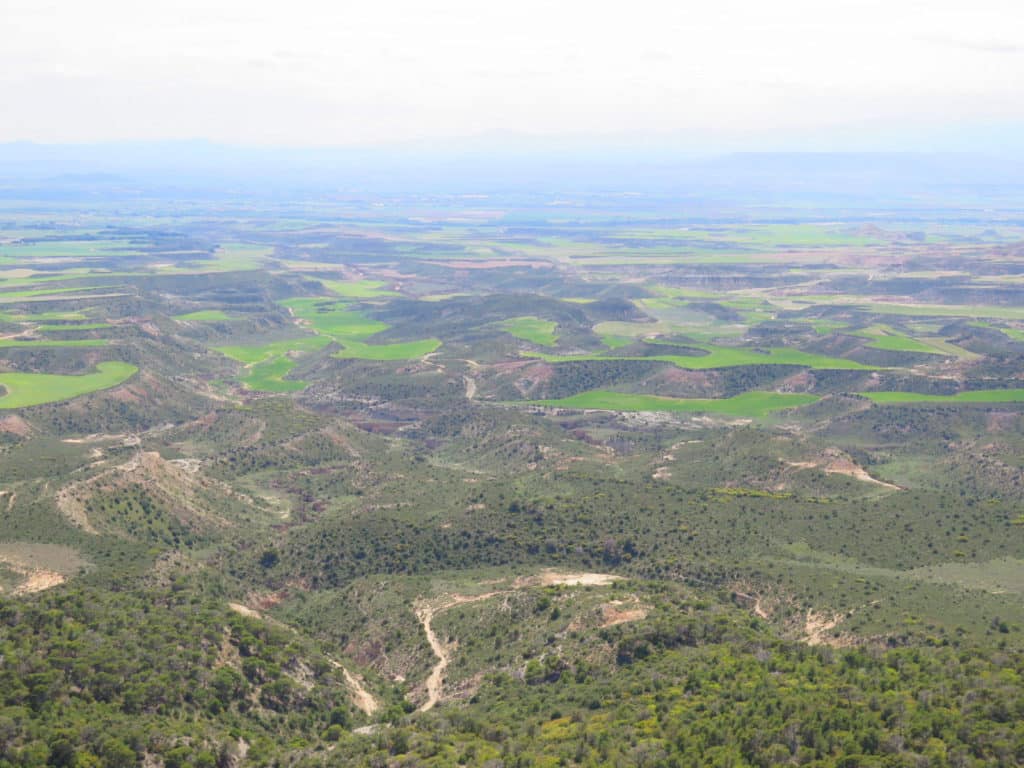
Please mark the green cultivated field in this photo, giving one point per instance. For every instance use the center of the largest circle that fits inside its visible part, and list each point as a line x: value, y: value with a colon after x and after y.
x: 532, y: 329
x: 749, y: 404
x: 334, y: 323
x: 887, y: 339
x: 40, y: 317
x: 358, y: 289
x: 350, y: 328
x: 73, y: 327
x: 54, y: 342
x: 333, y: 319
x: 727, y: 357
x: 402, y: 350
x: 268, y: 364
x: 884, y: 337
x: 205, y: 316
x: 913, y: 310
x: 975, y: 396
x: 269, y: 376
x: 612, y: 341
x: 1013, y: 333
x: 13, y: 297
x: 64, y: 249
x: 229, y: 257
x: 25, y: 389
x: 261, y: 352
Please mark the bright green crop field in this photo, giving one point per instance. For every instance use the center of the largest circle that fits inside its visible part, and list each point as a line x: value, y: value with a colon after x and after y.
x: 727, y: 357
x: 749, y: 404
x: 612, y: 341
x: 887, y: 339
x: 402, y: 350
x: 54, y: 342
x: 1013, y: 333
x: 268, y: 364
x: 532, y: 329
x: 334, y: 319
x: 262, y: 352
x: 268, y: 376
x: 73, y: 327
x: 40, y: 317
x: 229, y: 257
x: 205, y: 316
x: 975, y: 396
x: 25, y: 389
x: 350, y: 328
x: 358, y: 289
x: 11, y: 297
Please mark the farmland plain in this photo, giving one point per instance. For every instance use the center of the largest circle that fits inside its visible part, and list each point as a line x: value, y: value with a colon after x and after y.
x: 494, y: 481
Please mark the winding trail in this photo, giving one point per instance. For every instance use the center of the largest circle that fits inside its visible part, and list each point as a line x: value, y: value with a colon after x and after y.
x: 426, y: 611
x: 435, y: 680
x: 361, y: 697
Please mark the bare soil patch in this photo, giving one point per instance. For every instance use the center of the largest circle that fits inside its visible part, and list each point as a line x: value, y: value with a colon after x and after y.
x: 245, y: 610
x: 15, y: 425
x: 833, y: 461
x: 552, y: 578
x: 361, y: 698
x: 426, y: 610
x: 818, y: 628
x: 40, y: 566
x: 617, y: 612
x: 178, y: 485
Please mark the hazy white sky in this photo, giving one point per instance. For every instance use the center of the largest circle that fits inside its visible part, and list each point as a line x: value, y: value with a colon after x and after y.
x: 705, y: 73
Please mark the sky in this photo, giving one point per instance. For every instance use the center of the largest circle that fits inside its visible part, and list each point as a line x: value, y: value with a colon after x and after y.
x: 704, y: 75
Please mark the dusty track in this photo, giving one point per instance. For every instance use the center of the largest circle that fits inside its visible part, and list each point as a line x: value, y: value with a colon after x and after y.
x: 426, y: 611
x: 361, y: 698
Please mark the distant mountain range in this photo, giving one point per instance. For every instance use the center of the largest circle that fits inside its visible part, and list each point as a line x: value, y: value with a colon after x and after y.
x: 542, y: 168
